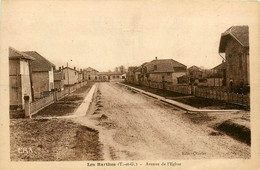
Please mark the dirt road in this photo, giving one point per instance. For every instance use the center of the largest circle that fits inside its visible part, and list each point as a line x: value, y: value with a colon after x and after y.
x: 136, y: 127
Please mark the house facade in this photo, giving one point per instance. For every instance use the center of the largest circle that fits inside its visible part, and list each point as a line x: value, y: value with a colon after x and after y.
x: 130, y: 75
x: 163, y: 70
x: 58, y: 80
x: 234, y: 43
x: 70, y: 75
x: 42, y: 74
x: 20, y: 81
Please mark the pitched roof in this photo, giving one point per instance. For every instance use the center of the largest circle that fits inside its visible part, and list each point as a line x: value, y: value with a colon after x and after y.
x: 195, y: 68
x: 40, y: 63
x: 14, y: 54
x: 90, y: 69
x: 239, y: 33
x: 164, y: 65
x: 58, y: 75
x: 70, y: 69
x: 220, y: 66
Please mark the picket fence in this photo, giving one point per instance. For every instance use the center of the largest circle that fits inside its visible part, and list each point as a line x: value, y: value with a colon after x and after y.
x: 47, y: 100
x: 209, y: 93
x: 228, y: 97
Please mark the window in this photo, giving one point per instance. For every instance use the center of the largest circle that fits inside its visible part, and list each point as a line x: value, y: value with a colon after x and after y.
x: 117, y: 77
x: 155, y: 67
x: 168, y: 74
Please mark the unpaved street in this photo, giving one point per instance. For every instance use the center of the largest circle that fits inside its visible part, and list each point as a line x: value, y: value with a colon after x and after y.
x: 136, y: 127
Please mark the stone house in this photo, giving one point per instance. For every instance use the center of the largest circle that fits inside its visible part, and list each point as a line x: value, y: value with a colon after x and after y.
x: 137, y: 75
x: 70, y: 75
x: 90, y: 74
x: 42, y: 74
x: 234, y: 42
x: 163, y: 70
x: 130, y: 74
x: 58, y: 80
x: 195, y: 74
x: 20, y: 78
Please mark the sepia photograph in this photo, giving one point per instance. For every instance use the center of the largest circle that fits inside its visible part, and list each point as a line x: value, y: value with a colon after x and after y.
x: 117, y: 83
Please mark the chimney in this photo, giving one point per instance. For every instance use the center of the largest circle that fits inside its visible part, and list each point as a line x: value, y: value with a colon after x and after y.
x: 59, y: 68
x: 74, y: 68
x: 62, y: 67
x: 155, y: 58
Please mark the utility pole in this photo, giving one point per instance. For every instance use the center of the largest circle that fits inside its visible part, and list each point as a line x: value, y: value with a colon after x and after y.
x: 68, y: 76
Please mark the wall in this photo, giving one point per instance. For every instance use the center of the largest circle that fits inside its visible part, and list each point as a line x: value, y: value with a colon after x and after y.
x: 51, y: 79
x: 40, y: 83
x: 15, y: 90
x: 176, y: 75
x: 234, y: 71
x: 72, y: 78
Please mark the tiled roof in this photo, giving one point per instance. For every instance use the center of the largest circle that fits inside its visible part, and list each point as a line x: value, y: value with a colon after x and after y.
x: 239, y: 33
x: 13, y: 54
x: 195, y: 68
x: 164, y: 65
x: 90, y: 69
x: 40, y: 63
x: 58, y: 76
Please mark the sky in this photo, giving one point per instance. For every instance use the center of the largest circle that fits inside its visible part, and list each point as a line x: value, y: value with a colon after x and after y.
x: 106, y: 34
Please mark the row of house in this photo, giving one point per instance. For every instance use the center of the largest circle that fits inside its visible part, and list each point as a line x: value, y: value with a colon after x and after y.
x: 158, y: 70
x: 231, y: 75
x: 91, y: 74
x: 31, y: 74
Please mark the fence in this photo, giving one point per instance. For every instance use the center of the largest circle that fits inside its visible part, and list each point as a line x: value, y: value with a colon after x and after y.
x: 183, y: 89
x: 47, y: 100
x: 210, y: 93
x: 228, y: 97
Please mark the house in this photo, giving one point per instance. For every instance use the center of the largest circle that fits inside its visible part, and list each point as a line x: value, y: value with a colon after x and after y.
x: 80, y: 78
x: 195, y: 74
x: 42, y: 74
x: 90, y: 74
x: 110, y: 76
x: 217, y: 76
x: 163, y: 70
x: 234, y: 42
x: 20, y: 78
x: 58, y: 80
x: 130, y: 74
x: 70, y: 75
x: 137, y: 75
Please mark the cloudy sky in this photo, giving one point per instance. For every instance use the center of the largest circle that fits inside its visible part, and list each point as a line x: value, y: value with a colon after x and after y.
x: 106, y: 34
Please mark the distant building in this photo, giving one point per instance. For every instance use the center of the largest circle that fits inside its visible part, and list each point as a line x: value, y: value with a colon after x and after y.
x: 70, y: 75
x: 110, y: 76
x: 19, y: 78
x: 130, y: 74
x: 163, y: 70
x: 42, y: 74
x: 58, y: 80
x: 195, y: 74
x: 234, y: 43
x: 90, y: 74
x: 137, y: 75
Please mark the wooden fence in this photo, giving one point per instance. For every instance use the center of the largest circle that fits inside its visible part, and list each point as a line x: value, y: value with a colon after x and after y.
x: 228, y: 97
x: 47, y: 100
x: 216, y: 94
x: 183, y: 89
